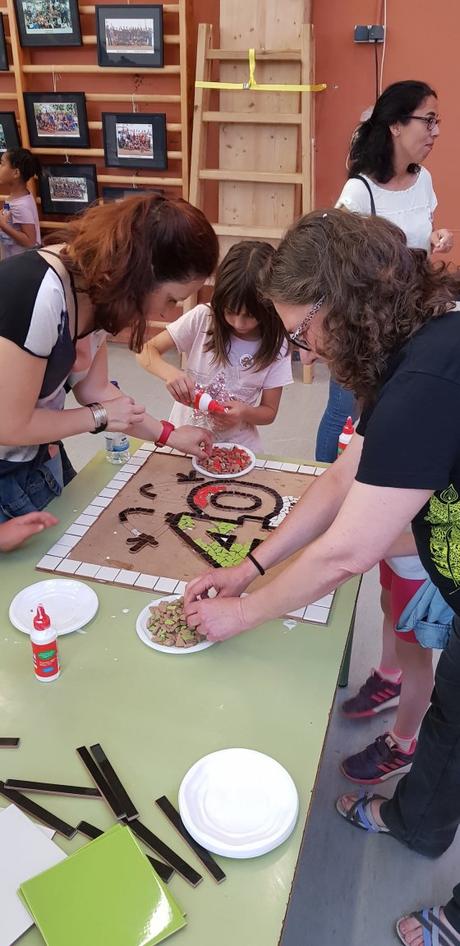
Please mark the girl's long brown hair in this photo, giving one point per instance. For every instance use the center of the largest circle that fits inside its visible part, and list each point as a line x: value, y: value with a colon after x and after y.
x: 238, y: 289
x: 377, y: 292
x: 122, y: 251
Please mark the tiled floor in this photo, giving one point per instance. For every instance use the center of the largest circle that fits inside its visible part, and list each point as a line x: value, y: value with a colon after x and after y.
x: 350, y: 887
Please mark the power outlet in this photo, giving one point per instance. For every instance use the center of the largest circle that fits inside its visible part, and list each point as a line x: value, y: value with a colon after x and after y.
x: 369, y: 34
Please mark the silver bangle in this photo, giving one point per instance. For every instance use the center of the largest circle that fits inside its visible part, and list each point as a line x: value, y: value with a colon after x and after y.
x: 100, y: 417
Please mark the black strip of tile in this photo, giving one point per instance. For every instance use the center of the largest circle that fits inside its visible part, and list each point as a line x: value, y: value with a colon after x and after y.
x: 130, y: 811
x: 205, y: 857
x: 152, y: 841
x: 9, y: 742
x: 42, y: 814
x: 105, y: 789
x: 51, y: 788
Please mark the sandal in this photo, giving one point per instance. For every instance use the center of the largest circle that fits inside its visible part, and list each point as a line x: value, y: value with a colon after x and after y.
x: 360, y: 814
x: 435, y: 932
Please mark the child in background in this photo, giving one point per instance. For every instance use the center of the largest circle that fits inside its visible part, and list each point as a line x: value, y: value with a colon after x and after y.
x: 239, y: 336
x: 404, y: 677
x: 19, y: 226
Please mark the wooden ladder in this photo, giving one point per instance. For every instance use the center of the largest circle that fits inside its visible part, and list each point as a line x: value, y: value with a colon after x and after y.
x: 257, y: 200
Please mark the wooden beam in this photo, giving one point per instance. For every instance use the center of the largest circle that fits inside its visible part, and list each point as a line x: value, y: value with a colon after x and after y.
x: 62, y: 68
x: 251, y: 118
x: 261, y: 177
x: 252, y: 233
x: 153, y: 181
x: 262, y: 55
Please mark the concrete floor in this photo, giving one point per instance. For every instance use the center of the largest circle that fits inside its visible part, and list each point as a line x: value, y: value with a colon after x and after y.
x: 350, y: 887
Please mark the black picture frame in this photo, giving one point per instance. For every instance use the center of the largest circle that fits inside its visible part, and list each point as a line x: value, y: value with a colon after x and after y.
x: 58, y: 197
x: 4, y: 66
x: 142, y: 32
x: 61, y: 108
x: 120, y: 193
x: 63, y: 29
x: 9, y: 134
x: 138, y: 126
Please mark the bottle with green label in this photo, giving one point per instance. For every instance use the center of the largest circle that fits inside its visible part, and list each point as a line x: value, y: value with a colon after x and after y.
x: 44, y: 647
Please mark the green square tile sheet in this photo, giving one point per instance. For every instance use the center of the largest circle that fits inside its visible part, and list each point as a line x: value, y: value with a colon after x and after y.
x: 106, y: 892
x: 155, y: 715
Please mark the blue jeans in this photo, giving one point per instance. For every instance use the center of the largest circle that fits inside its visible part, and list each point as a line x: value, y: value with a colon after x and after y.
x: 341, y: 404
x: 33, y: 485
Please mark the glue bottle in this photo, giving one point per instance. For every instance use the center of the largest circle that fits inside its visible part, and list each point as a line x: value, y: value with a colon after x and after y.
x: 205, y: 403
x: 116, y: 444
x: 345, y: 436
x: 44, y: 647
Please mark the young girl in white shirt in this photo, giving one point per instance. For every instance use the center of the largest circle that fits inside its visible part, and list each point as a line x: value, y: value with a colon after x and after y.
x: 236, y: 349
x: 19, y: 224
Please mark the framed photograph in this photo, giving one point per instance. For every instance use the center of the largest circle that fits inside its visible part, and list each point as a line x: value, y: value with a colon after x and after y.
x: 135, y: 140
x: 57, y: 119
x: 3, y: 56
x: 48, y: 22
x: 67, y: 188
x: 120, y: 193
x: 9, y: 135
x: 130, y: 36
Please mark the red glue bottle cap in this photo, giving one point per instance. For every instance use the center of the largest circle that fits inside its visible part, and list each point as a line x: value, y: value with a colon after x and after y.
x: 41, y: 619
x: 348, y: 426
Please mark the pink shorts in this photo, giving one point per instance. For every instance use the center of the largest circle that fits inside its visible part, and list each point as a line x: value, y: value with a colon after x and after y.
x: 401, y: 591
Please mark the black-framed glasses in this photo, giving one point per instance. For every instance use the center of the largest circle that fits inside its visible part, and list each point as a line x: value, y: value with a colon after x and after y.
x: 431, y: 121
x: 294, y: 337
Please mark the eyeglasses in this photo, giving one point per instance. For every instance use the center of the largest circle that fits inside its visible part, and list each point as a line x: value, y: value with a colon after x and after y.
x: 431, y: 121
x: 304, y: 325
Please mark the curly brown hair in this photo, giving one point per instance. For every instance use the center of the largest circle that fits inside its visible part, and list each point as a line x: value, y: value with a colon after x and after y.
x: 377, y: 292
x: 121, y: 252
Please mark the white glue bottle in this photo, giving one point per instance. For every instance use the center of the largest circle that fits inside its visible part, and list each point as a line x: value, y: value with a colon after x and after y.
x: 116, y: 444
x: 44, y: 647
x: 345, y: 436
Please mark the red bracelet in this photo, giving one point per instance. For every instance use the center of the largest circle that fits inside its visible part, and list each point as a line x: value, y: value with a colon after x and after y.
x: 166, y: 432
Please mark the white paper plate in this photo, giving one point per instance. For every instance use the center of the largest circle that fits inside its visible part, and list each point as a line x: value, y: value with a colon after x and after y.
x: 227, y: 476
x: 144, y: 633
x: 238, y: 803
x: 70, y: 605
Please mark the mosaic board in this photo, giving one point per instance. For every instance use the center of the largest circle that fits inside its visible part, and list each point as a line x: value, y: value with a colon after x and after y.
x: 159, y: 523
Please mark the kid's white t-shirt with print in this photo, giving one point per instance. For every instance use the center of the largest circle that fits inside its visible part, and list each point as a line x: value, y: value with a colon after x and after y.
x: 23, y: 210
x: 189, y: 334
x: 411, y: 209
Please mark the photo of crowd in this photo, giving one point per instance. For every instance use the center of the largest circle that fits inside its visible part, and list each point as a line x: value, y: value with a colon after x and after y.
x: 125, y: 36
x: 134, y: 141
x: 58, y: 119
x: 68, y: 189
x: 2, y: 138
x: 47, y: 16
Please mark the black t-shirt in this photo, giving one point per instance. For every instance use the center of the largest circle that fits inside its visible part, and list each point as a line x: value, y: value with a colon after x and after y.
x: 412, y: 441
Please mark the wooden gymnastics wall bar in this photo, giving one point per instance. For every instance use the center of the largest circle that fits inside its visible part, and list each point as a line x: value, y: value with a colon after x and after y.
x: 174, y: 99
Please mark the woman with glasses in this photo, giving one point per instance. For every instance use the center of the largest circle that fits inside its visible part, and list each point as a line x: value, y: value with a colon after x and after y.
x: 382, y: 316
x: 386, y: 177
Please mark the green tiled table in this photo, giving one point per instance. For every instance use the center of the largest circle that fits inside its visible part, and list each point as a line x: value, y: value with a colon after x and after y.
x: 270, y: 690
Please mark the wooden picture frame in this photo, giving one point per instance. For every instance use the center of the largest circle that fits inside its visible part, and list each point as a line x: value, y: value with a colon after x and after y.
x: 57, y: 119
x: 68, y: 188
x: 135, y: 140
x: 4, y: 65
x: 48, y: 22
x: 9, y: 134
x: 130, y: 36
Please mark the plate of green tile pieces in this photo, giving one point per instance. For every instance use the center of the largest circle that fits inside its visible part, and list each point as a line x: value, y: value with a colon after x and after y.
x: 106, y: 892
x: 161, y: 625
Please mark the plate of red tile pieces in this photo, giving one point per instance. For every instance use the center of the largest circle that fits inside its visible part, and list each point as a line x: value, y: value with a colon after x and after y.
x: 226, y: 461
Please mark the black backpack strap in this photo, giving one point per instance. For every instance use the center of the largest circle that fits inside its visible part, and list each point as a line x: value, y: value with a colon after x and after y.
x: 359, y: 177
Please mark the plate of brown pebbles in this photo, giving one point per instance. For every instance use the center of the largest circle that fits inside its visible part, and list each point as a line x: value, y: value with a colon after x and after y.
x: 162, y: 626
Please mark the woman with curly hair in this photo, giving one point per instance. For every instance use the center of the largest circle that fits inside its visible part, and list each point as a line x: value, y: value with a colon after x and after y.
x: 121, y: 265
x: 382, y: 316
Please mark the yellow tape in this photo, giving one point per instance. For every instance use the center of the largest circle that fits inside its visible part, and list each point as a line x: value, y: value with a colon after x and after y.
x: 254, y: 86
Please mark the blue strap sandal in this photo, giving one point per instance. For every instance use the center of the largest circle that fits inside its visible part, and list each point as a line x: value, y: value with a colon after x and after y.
x: 360, y: 814
x: 435, y: 932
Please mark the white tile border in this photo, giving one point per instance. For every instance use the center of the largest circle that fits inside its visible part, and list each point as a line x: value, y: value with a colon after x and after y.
x: 126, y: 577
x: 68, y: 565
x: 88, y: 570
x: 146, y: 581
x: 49, y: 562
x: 166, y: 585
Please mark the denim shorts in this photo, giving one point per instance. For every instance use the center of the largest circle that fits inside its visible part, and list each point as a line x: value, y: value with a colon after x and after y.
x: 33, y: 486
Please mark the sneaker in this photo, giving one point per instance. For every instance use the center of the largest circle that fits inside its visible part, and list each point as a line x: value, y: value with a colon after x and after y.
x: 379, y: 761
x: 375, y: 695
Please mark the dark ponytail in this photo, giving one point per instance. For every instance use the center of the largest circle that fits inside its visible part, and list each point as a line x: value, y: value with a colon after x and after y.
x: 22, y: 160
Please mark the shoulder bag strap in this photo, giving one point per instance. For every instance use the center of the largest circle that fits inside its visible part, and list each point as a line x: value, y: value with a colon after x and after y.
x: 359, y: 177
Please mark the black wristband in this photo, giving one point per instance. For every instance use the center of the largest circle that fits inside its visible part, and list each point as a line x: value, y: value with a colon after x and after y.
x: 256, y: 563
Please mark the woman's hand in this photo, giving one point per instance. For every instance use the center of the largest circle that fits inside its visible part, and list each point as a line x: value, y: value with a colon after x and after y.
x: 123, y: 413
x: 182, y: 388
x: 194, y: 440
x: 15, y: 531
x: 227, y: 582
x: 217, y: 619
x: 442, y: 241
